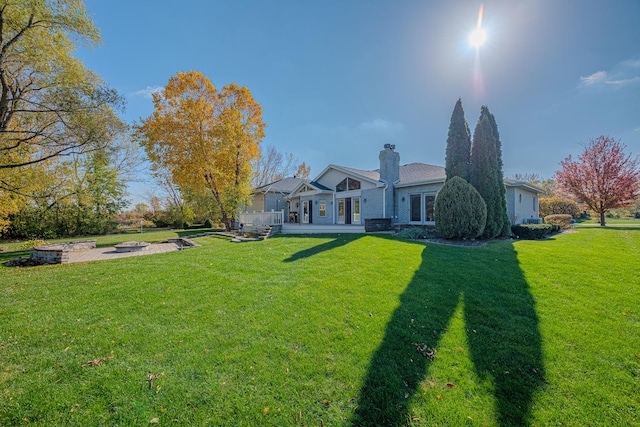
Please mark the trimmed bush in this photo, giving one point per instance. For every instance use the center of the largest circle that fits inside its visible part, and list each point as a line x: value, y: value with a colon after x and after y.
x: 415, y: 233
x: 563, y: 220
x: 534, y: 231
x: 558, y: 205
x: 208, y: 223
x: 460, y: 211
x: 186, y: 225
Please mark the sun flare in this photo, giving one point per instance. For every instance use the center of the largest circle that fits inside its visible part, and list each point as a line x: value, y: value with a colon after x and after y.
x: 477, y: 37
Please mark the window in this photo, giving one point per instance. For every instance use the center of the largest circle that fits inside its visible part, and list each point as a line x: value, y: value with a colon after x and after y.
x: 534, y: 203
x: 322, y: 208
x: 422, y: 207
x: 348, y: 184
x: 356, y: 210
x: 415, y: 208
x: 429, y: 208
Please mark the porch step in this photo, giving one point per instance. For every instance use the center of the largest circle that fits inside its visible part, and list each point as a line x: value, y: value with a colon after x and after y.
x: 317, y: 229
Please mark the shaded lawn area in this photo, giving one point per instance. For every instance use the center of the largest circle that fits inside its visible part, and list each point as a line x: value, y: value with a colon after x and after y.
x: 342, y: 330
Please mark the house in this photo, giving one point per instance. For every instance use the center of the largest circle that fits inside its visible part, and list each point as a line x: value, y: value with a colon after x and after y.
x: 392, y: 195
x: 272, y: 197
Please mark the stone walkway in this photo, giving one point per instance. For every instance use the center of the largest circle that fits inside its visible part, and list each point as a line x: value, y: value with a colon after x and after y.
x: 99, y: 254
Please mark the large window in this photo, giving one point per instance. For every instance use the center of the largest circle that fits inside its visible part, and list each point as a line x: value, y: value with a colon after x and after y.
x: 348, y: 184
x: 416, y: 208
x: 429, y: 207
x: 422, y: 207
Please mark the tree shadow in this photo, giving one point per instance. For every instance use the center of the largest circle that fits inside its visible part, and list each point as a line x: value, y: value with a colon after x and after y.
x: 502, y: 331
x: 339, y: 240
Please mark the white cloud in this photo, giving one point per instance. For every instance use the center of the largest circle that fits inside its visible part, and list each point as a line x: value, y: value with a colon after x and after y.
x: 147, y: 92
x: 595, y: 78
x: 377, y: 125
x: 621, y: 74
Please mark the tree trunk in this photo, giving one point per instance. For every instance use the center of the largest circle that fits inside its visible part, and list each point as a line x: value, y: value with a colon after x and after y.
x: 602, y: 222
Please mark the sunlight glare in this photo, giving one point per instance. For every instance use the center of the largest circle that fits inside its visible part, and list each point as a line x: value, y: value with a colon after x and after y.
x: 477, y: 37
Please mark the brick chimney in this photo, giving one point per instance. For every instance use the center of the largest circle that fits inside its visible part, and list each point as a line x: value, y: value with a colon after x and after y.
x: 389, y: 164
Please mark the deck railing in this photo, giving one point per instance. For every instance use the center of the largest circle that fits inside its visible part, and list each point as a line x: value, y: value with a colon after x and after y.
x: 262, y: 218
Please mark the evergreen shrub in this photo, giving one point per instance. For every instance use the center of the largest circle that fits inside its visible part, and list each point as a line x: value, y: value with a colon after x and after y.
x: 208, y: 223
x: 415, y: 233
x: 563, y: 220
x: 534, y: 231
x: 460, y: 211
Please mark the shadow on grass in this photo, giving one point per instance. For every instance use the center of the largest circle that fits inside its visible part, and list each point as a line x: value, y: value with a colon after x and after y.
x: 9, y: 256
x: 338, y: 240
x: 502, y: 332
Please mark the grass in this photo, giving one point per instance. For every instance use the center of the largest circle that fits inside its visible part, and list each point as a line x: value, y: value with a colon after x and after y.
x: 631, y: 222
x: 330, y: 330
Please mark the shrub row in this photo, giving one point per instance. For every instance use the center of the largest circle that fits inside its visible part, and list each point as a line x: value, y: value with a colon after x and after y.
x: 534, y: 231
x: 563, y: 220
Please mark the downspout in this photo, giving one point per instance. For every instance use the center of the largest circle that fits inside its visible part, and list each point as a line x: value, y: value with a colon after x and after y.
x: 384, y: 200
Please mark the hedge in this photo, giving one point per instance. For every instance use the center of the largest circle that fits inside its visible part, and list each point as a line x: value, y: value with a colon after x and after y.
x: 534, y: 231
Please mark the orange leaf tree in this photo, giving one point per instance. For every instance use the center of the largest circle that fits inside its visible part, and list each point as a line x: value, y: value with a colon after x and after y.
x: 207, y: 139
x: 603, y: 177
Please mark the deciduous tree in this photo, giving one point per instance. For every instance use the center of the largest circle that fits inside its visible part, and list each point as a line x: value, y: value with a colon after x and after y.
x: 50, y: 104
x: 207, y: 139
x: 274, y: 165
x: 603, y: 177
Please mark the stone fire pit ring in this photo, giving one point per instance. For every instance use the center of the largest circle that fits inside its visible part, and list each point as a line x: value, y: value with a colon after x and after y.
x: 132, y: 246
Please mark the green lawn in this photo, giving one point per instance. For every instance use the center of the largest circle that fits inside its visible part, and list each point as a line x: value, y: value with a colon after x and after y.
x: 631, y: 222
x: 331, y: 330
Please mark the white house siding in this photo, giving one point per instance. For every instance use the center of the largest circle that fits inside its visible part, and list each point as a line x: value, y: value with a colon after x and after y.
x: 372, y: 204
x: 403, y: 206
x: 328, y: 219
x: 521, y: 205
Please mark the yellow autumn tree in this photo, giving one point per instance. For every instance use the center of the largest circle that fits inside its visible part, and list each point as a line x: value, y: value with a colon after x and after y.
x: 206, y: 138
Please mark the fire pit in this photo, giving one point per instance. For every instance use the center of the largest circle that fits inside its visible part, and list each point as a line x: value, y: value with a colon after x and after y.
x: 131, y: 246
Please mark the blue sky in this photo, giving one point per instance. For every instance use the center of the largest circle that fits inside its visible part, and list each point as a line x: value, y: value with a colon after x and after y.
x: 339, y: 79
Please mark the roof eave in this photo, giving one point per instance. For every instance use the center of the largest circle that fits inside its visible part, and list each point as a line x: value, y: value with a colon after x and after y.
x: 422, y: 182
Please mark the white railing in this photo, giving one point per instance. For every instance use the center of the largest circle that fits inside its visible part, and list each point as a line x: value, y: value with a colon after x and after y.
x: 262, y: 218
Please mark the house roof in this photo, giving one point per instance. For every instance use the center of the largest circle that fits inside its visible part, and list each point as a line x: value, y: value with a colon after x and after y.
x: 410, y: 174
x: 318, y: 187
x: 284, y: 185
x: 415, y: 173
x: 513, y: 183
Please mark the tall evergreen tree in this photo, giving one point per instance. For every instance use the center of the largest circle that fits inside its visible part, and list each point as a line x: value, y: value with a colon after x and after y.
x: 458, y: 145
x: 486, y: 174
